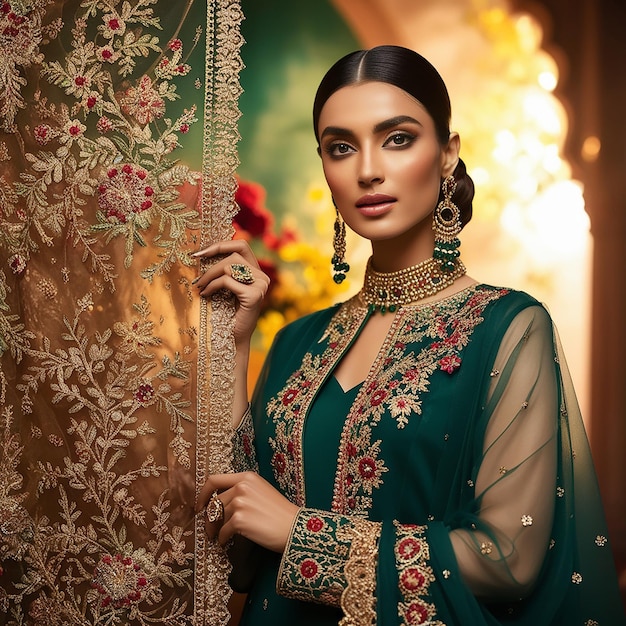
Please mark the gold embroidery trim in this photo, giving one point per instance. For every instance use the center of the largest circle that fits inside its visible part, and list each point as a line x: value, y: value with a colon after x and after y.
x: 215, y: 345
x: 358, y: 600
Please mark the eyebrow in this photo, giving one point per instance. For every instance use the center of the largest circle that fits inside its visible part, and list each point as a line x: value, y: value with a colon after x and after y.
x: 381, y: 126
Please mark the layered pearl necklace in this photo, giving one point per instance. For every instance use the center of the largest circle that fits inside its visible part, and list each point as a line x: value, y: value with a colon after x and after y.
x: 387, y: 291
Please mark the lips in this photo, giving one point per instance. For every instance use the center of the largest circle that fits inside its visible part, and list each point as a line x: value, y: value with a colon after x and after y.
x: 375, y: 204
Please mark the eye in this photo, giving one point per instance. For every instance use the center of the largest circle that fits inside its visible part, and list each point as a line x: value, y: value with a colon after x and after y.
x: 399, y: 140
x: 339, y: 149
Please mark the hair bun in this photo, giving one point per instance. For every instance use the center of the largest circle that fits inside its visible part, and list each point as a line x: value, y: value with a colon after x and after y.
x: 464, y: 192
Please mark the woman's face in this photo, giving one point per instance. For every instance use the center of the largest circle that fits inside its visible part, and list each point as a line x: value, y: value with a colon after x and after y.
x: 382, y: 160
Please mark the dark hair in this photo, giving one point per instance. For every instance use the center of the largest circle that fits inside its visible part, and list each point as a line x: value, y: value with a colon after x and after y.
x: 412, y: 73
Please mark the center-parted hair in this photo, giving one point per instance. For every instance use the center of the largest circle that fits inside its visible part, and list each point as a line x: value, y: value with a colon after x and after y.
x: 411, y: 72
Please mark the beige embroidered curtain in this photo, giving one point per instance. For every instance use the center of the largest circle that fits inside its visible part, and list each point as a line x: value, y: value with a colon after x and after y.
x: 118, y: 134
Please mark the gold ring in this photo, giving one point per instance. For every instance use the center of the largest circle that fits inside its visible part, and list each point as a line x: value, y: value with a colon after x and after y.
x: 214, y: 509
x: 241, y: 273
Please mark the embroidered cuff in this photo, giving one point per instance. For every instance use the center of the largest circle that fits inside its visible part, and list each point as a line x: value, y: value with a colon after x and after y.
x: 415, y: 575
x: 244, y: 453
x: 332, y: 559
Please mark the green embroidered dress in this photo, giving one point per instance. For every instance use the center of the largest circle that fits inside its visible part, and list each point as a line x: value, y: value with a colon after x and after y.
x: 439, y: 491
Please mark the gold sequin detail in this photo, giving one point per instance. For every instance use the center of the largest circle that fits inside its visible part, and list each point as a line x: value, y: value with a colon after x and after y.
x: 601, y: 541
x: 577, y: 578
x: 503, y: 469
x: 527, y: 520
x: 446, y: 573
x: 485, y: 547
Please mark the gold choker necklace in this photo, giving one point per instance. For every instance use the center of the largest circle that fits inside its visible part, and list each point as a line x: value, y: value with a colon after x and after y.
x: 387, y: 291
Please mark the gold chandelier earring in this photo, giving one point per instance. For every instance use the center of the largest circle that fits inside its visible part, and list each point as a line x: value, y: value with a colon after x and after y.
x: 340, y: 267
x: 447, y: 225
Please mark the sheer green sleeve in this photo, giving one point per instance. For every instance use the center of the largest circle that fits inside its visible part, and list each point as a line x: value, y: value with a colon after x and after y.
x: 501, y: 549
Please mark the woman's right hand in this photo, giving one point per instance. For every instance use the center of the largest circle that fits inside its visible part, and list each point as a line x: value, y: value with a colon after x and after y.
x: 220, y: 276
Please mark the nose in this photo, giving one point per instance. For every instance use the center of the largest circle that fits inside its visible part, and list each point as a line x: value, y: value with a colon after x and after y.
x: 370, y: 167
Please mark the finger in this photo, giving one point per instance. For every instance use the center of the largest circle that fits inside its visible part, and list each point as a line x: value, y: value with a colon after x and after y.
x: 238, y: 246
x: 215, y: 482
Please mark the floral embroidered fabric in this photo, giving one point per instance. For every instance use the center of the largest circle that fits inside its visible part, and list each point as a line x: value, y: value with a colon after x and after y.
x: 103, y: 344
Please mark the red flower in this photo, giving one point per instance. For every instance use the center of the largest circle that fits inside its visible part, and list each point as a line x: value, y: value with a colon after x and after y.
x: 252, y: 217
x: 450, y: 363
x: 314, y: 524
x: 290, y: 396
x: 175, y: 44
x: 367, y: 468
x: 308, y: 568
x: 409, y: 548
x: 378, y: 397
x: 416, y: 613
x: 412, y: 579
x: 279, y: 463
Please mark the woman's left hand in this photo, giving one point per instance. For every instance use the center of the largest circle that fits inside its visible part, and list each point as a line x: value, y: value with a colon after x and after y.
x: 252, y: 508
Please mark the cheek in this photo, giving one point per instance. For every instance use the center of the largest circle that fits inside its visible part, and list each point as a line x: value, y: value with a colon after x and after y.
x: 335, y: 179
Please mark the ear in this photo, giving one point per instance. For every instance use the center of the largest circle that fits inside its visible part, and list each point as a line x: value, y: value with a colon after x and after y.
x: 319, y: 151
x: 450, y: 155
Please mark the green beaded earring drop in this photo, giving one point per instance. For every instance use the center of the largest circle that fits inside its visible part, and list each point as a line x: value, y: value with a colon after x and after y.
x: 447, y: 225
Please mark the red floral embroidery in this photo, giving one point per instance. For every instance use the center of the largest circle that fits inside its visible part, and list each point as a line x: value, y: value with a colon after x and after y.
x: 309, y: 568
x: 416, y: 613
x: 289, y: 396
x: 412, y: 579
x: 409, y: 548
x: 119, y: 581
x: 279, y: 463
x: 450, y: 363
x: 123, y: 193
x: 314, y: 524
x: 367, y: 468
x: 378, y: 397
x: 143, y: 102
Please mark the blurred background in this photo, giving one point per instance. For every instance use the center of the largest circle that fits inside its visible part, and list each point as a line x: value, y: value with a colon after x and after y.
x: 538, y: 97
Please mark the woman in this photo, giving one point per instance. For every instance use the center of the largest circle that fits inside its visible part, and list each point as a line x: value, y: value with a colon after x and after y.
x: 413, y: 445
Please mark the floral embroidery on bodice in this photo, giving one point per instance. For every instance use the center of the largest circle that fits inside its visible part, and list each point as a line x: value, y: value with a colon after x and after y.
x: 422, y: 339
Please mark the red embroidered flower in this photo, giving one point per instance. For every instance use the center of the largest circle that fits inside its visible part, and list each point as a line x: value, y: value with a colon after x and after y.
x: 412, y: 579
x: 123, y: 193
x: 279, y: 463
x: 352, y: 503
x: 144, y: 393
x: 314, y: 524
x: 42, y: 133
x: 412, y: 374
x: 104, y: 125
x: 184, y: 128
x: 367, y: 468
x: 289, y: 396
x: 308, y: 568
x: 378, y: 397
x: 291, y: 447
x: 119, y: 581
x: 409, y: 548
x: 450, y: 363
x: 351, y: 450
x: 143, y: 102
x: 17, y: 263
x: 416, y: 613
x: 175, y: 44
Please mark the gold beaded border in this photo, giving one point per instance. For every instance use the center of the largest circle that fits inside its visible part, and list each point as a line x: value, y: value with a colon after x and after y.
x: 215, y: 343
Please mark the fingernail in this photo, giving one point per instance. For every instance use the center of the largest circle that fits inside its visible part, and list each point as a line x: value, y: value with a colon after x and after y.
x: 195, y: 280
